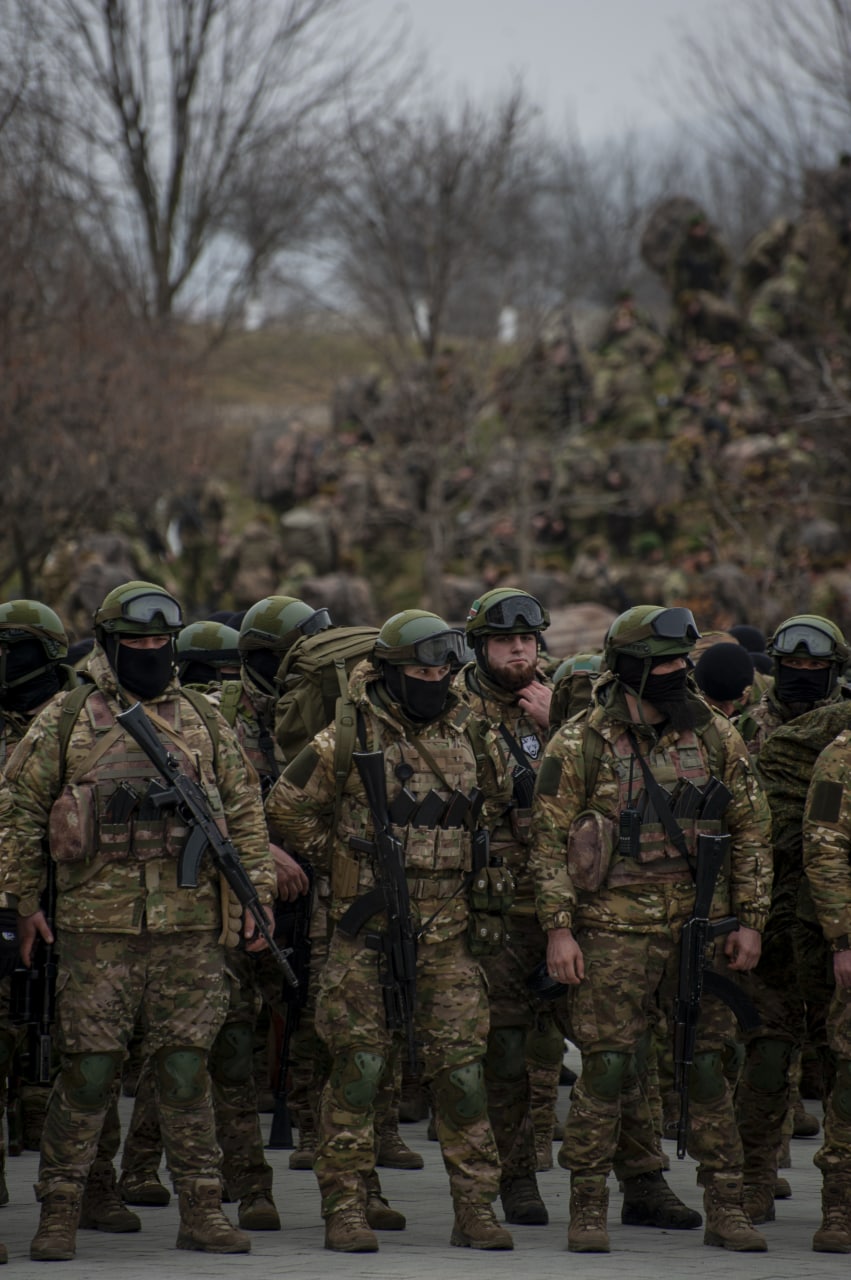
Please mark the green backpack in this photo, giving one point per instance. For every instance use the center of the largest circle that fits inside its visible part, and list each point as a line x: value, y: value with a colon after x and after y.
x: 313, y: 674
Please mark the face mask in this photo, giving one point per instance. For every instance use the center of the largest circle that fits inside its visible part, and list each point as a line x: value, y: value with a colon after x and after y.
x: 419, y: 699
x: 145, y: 672
x: 263, y: 666
x: 31, y: 693
x: 796, y: 684
x: 26, y: 678
x: 668, y: 688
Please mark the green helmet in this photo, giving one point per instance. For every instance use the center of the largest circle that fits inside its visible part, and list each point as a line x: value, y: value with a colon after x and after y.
x: 25, y: 619
x: 138, y: 609
x: 417, y: 638
x: 210, y: 643
x: 650, y: 631
x: 276, y: 622
x: 808, y: 635
x: 506, y: 611
x: 590, y: 662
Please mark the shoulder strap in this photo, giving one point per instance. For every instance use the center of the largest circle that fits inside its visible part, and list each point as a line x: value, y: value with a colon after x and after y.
x: 231, y: 694
x: 71, y: 708
x: 207, y: 714
x: 592, y: 754
x: 660, y: 803
x: 348, y: 725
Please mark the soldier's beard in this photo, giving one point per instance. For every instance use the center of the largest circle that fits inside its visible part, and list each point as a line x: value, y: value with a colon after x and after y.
x: 513, y: 676
x: 678, y: 713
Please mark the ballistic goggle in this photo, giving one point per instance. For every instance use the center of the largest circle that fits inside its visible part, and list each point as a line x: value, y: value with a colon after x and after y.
x: 144, y: 610
x: 516, y: 610
x: 675, y: 624
x: 803, y: 635
x: 446, y: 648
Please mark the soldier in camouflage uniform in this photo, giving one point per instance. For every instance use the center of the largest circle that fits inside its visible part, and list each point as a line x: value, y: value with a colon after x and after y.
x: 808, y: 654
x: 405, y: 710
x: 130, y: 940
x: 628, y: 908
x: 826, y: 850
x: 207, y: 654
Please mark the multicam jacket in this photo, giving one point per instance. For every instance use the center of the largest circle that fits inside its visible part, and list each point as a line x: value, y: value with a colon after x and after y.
x: 827, y: 840
x: 116, y: 864
x: 301, y: 805
x: 757, y: 723
x: 575, y: 825
x: 252, y: 715
x: 511, y: 836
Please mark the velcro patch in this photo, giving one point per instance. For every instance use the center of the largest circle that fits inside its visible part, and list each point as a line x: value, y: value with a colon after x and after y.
x: 549, y: 777
x: 826, y: 802
x: 300, y: 770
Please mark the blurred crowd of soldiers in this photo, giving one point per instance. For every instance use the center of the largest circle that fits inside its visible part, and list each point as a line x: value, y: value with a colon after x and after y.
x: 473, y: 849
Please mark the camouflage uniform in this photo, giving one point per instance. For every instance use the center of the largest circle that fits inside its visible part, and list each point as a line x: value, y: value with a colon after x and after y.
x: 128, y: 937
x: 756, y: 724
x: 629, y: 914
x: 451, y: 1011
x: 826, y: 848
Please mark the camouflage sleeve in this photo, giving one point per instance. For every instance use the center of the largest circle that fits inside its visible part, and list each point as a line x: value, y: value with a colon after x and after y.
x: 827, y: 840
x: 239, y: 788
x: 31, y: 784
x: 749, y: 824
x: 300, y: 806
x: 559, y: 797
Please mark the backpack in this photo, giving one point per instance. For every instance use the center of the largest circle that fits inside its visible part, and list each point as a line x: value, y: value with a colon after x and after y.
x: 313, y: 674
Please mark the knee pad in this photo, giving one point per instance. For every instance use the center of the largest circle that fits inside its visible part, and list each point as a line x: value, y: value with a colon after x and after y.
x: 506, y: 1053
x: 88, y: 1078
x: 767, y: 1065
x: 545, y: 1043
x: 181, y: 1075
x: 706, y: 1081
x: 840, y: 1095
x: 604, y: 1074
x: 355, y: 1077
x: 460, y: 1095
x: 232, y: 1054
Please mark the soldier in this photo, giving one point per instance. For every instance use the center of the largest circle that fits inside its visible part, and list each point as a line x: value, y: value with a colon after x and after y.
x: 207, y: 654
x: 628, y: 897
x: 130, y: 940
x: 406, y: 711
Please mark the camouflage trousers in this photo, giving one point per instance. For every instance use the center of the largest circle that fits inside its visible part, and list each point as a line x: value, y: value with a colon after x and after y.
x: 451, y: 1022
x: 629, y: 979
x: 177, y: 983
x: 834, y: 1155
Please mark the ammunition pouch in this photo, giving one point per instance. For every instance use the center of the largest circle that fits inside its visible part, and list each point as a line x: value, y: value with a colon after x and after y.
x: 590, y: 845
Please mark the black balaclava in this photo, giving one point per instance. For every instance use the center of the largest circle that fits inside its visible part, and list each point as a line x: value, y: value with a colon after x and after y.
x: 145, y: 672
x: 27, y: 691
x: 263, y: 667
x: 195, y: 672
x: 667, y: 693
x: 421, y: 700
x: 802, y: 687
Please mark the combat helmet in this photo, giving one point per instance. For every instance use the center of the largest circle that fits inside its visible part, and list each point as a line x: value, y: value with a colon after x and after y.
x: 276, y: 622
x: 30, y: 621
x: 807, y: 635
x: 649, y: 632
x: 416, y: 637
x: 204, y: 648
x: 138, y: 608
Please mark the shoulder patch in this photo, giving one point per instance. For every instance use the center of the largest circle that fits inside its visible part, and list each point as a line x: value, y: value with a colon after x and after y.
x: 300, y: 770
x: 549, y: 776
x: 826, y: 802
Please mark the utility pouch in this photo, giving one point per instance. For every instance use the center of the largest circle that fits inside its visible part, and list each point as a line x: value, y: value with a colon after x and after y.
x: 486, y: 934
x: 492, y: 889
x: 590, y: 844
x: 345, y: 874
x: 72, y: 826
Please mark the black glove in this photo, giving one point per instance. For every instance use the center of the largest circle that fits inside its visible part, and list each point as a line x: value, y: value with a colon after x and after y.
x: 9, y: 953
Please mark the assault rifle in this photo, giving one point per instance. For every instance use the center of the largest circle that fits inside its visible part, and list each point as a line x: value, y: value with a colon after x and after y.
x: 397, y: 945
x: 189, y: 800
x: 696, y: 978
x: 32, y: 1005
x: 292, y: 925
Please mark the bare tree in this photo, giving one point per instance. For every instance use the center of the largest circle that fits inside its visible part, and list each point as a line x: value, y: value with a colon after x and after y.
x: 182, y: 119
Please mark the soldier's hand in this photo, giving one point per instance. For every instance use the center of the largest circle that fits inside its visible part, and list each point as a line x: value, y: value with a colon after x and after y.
x: 292, y: 878
x: 255, y: 941
x: 535, y: 700
x: 30, y: 928
x: 565, y: 961
x: 842, y: 968
x: 742, y: 948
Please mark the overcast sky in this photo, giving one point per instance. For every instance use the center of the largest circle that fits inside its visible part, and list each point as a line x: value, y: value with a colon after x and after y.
x: 598, y: 63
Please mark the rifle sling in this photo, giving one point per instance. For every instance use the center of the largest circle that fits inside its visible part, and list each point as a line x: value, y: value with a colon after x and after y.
x: 673, y: 830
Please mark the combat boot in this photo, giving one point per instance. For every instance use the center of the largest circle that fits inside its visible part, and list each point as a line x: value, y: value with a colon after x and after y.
x: 392, y: 1152
x: 56, y: 1238
x: 102, y: 1208
x: 143, y: 1187
x: 834, y: 1234
x: 305, y: 1153
x: 347, y: 1231
x: 727, y: 1225
x: 380, y: 1214
x: 648, y: 1201
x: 413, y: 1102
x: 804, y: 1125
x: 476, y: 1227
x: 522, y: 1203
x: 758, y: 1200
x: 782, y: 1188
x: 257, y: 1212
x: 203, y: 1226
x: 589, y: 1203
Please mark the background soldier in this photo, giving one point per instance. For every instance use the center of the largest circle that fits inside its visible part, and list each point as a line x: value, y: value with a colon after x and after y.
x: 130, y: 940
x: 627, y: 886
